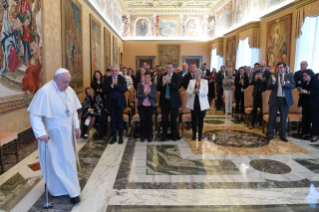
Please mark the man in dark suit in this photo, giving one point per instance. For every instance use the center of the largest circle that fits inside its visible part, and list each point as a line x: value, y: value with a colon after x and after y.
x: 219, y: 80
x: 189, y: 76
x: 184, y: 71
x: 205, y: 71
x: 280, y: 98
x: 114, y: 87
x: 298, y: 76
x: 170, y: 99
x: 260, y: 80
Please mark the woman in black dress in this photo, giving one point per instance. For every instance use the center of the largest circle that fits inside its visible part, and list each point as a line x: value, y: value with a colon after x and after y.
x: 97, y: 83
x: 309, y: 101
x: 91, y: 111
x: 211, y: 85
x: 241, y: 83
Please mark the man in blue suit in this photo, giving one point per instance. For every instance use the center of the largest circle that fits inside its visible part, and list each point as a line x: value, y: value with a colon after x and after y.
x: 280, y: 98
x: 114, y: 87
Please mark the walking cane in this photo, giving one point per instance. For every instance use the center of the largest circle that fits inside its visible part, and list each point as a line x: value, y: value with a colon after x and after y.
x: 48, y: 204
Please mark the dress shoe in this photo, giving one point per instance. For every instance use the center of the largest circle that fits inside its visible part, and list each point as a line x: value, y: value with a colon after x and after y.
x: 283, y: 139
x: 163, y: 138
x: 251, y: 127
x: 194, y: 137
x: 142, y: 139
x: 260, y: 127
x: 75, y: 200
x: 150, y: 139
x: 175, y: 138
x: 121, y: 140
x: 113, y: 140
x: 238, y: 119
x: 242, y: 118
x: 269, y: 137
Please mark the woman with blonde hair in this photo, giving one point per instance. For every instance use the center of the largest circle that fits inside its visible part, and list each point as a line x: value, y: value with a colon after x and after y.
x: 197, y: 91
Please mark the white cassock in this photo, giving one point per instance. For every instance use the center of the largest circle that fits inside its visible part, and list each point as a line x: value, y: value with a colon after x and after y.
x: 48, y: 116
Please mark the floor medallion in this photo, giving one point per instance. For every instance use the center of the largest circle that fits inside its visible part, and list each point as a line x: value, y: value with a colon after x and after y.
x: 270, y: 166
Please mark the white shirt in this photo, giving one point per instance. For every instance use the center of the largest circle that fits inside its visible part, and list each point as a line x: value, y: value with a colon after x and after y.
x: 280, y: 92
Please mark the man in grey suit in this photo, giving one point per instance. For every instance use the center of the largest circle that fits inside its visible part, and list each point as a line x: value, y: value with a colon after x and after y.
x: 280, y: 98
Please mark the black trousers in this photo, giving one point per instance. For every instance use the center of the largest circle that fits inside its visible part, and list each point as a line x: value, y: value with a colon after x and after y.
x: 257, y: 103
x: 310, y: 120
x: 281, y: 104
x: 166, y: 110
x: 219, y: 99
x: 197, y: 119
x: 146, y: 115
x: 117, y: 123
x: 240, y: 99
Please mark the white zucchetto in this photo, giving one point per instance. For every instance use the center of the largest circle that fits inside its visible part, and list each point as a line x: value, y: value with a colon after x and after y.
x: 61, y: 71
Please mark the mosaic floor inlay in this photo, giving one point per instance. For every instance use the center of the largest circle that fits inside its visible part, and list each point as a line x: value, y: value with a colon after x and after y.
x: 166, y: 160
x: 270, y: 166
x: 311, y: 164
x: 275, y: 146
x: 236, y: 138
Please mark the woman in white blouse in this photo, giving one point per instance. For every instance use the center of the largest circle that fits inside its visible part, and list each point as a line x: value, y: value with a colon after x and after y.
x: 129, y: 81
x: 197, y: 91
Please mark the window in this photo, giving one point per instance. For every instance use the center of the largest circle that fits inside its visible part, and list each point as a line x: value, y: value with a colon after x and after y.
x: 216, y: 61
x: 246, y: 56
x: 308, y: 44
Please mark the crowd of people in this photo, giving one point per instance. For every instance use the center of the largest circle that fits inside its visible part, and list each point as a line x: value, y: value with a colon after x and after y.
x: 201, y: 86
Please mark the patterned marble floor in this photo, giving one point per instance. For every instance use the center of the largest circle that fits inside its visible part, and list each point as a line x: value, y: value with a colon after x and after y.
x: 231, y: 169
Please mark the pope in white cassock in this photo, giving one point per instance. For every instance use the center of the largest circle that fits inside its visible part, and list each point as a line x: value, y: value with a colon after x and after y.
x: 54, y: 120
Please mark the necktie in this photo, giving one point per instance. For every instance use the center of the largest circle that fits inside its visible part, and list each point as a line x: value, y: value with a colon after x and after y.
x: 281, y: 79
x: 167, y: 94
x: 192, y: 76
x: 114, y: 95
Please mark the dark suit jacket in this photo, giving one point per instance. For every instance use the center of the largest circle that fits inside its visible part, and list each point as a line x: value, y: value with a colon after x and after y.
x: 289, y: 84
x: 186, y: 79
x: 140, y: 95
x: 207, y: 73
x: 260, y: 83
x: 298, y: 79
x: 239, y: 86
x: 174, y: 87
x: 313, y: 97
x: 119, y: 91
x: 219, y: 80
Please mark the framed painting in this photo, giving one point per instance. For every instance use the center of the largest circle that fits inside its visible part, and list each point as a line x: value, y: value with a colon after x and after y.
x: 95, y: 41
x: 107, y: 48
x: 168, y: 26
x: 72, y: 43
x: 231, y: 49
x: 149, y: 60
x: 22, y: 65
x: 115, y: 51
x: 168, y: 53
x: 278, y: 40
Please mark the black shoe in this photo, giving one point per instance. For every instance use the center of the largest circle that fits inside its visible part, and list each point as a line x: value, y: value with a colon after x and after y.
x: 175, y: 138
x: 121, y: 140
x: 163, y: 138
x: 269, y: 138
x: 150, y: 139
x: 199, y: 138
x: 75, y: 200
x: 283, y: 139
x: 142, y: 139
x: 113, y: 140
x: 242, y: 118
x: 194, y: 137
x: 238, y: 119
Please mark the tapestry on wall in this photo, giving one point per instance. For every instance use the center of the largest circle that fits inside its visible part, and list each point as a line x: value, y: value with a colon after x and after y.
x: 95, y: 34
x: 107, y: 48
x: 72, y: 47
x: 168, y: 54
x: 115, y: 52
x: 231, y: 52
x: 22, y: 70
x: 278, y: 40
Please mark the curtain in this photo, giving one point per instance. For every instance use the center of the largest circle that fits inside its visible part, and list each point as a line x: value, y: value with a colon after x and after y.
x: 246, y: 56
x: 216, y: 61
x: 308, y: 44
